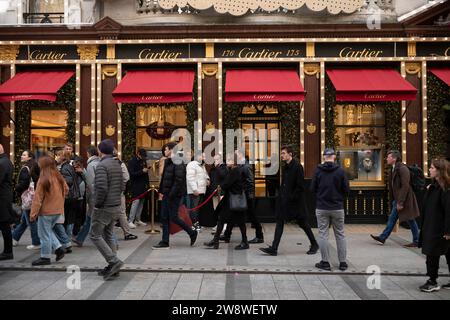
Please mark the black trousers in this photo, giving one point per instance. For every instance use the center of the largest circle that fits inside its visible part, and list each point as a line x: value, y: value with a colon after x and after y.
x: 7, y: 237
x: 220, y: 225
x: 433, y: 265
x: 302, y: 223
x: 251, y: 215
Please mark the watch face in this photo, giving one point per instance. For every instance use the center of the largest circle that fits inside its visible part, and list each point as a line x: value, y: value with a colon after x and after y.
x: 367, y: 164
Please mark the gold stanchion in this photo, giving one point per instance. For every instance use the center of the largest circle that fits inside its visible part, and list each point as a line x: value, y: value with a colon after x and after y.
x: 153, y: 207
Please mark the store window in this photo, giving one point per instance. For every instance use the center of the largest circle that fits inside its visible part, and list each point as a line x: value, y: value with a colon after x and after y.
x: 48, y: 130
x: 361, y: 132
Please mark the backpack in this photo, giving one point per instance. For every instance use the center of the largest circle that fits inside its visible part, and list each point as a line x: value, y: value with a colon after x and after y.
x: 28, y: 195
x: 417, y: 178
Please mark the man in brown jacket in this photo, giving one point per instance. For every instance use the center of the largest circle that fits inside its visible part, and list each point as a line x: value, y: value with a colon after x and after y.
x: 404, y: 204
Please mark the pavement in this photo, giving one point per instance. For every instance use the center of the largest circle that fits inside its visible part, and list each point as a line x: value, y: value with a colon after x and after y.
x: 197, y: 273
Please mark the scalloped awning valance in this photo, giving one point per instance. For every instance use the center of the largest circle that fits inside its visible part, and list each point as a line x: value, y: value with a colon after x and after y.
x: 241, y: 7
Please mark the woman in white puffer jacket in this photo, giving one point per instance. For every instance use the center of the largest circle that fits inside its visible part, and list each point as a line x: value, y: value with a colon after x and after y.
x: 197, y: 180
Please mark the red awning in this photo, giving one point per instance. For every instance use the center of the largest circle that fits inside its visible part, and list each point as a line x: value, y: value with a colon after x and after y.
x: 252, y: 85
x: 155, y: 86
x: 34, y: 85
x: 442, y: 73
x: 371, y: 85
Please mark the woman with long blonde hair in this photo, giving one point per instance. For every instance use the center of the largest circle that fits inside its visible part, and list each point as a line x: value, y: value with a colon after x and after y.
x: 435, y: 232
x: 48, y: 204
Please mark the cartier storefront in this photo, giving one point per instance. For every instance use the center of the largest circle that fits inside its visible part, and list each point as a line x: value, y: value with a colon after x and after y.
x: 345, y: 89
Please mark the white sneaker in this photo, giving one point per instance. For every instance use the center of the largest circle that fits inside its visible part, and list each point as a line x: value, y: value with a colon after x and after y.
x: 131, y: 225
x: 140, y: 223
x: 15, y: 243
x: 33, y: 247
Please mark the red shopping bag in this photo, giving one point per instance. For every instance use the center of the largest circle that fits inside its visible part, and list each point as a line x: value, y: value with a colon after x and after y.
x: 183, y: 214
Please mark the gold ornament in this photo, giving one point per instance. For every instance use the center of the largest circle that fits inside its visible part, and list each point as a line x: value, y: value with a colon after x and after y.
x: 6, y: 131
x: 110, y: 130
x: 87, y: 51
x: 311, y: 128
x: 412, y: 128
x: 86, y: 130
x: 9, y: 52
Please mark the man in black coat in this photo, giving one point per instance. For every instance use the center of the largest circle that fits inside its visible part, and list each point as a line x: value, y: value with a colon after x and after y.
x: 139, y: 181
x: 291, y: 202
x: 173, y: 189
x: 6, y: 199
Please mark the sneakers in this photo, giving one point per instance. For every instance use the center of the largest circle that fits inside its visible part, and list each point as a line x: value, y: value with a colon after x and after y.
x: 161, y: 245
x: 33, y: 247
x: 256, y: 240
x: 324, y: 265
x: 6, y: 256
x: 15, y: 243
x: 41, y: 262
x: 194, y: 237
x: 446, y: 286
x: 105, y: 271
x: 269, y: 250
x: 131, y: 225
x: 140, y: 223
x: 313, y: 249
x: 60, y: 252
x: 430, y: 286
x: 411, y: 245
x: 130, y: 236
x: 242, y: 246
x: 112, y: 270
x: 343, y: 266
x: 378, y: 239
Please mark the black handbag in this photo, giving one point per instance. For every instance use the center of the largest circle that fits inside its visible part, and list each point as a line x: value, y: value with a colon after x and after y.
x: 238, y: 202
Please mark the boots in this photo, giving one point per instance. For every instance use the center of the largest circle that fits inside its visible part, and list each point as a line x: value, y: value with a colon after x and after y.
x: 214, y: 244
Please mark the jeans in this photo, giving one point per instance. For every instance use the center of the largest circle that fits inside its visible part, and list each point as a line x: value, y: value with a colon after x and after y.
x: 136, y: 210
x: 169, y: 213
x: 46, y: 230
x: 84, y: 231
x: 69, y: 229
x: 102, y: 232
x: 61, y: 235
x: 393, y: 217
x: 337, y: 218
x: 24, y: 223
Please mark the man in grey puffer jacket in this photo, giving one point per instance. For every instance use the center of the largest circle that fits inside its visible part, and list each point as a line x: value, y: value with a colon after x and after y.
x: 109, y: 185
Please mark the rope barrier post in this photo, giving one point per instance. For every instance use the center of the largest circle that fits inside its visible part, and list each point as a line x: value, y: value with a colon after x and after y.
x: 152, y: 229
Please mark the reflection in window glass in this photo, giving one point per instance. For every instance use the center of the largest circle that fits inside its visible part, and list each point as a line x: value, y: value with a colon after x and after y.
x: 48, y: 131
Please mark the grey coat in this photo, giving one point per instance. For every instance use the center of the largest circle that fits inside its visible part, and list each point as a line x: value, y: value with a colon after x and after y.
x: 90, y: 179
x: 109, y: 183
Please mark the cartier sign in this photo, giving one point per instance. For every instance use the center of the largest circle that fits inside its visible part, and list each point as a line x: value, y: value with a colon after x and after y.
x: 433, y: 49
x: 361, y: 50
x: 160, y: 52
x: 260, y: 51
x: 52, y: 52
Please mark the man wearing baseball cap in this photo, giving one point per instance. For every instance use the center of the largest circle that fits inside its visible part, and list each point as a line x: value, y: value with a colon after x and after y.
x: 330, y: 184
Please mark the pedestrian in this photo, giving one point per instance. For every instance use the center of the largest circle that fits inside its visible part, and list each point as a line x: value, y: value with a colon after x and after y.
x: 73, y: 181
x: 26, y: 183
x: 6, y: 199
x: 404, y: 204
x: 173, y: 189
x: 233, y: 185
x: 80, y: 205
x: 330, y: 185
x: 197, y: 180
x: 48, y: 205
x: 434, y: 236
x: 109, y: 186
x: 291, y: 204
x: 92, y: 162
x: 123, y: 221
x: 248, y: 180
x: 217, y: 173
x: 139, y: 181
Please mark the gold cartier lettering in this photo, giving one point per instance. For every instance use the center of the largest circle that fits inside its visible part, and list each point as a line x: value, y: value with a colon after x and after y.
x: 264, y: 53
x: 375, y: 96
x: 148, y: 98
x: 165, y: 54
x: 263, y: 97
x: 446, y: 53
x: 348, y: 52
x: 51, y: 55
